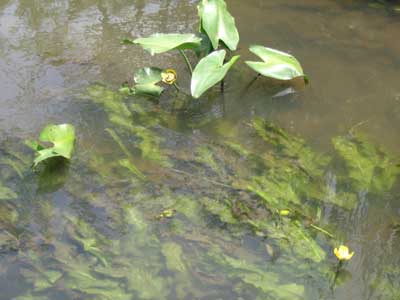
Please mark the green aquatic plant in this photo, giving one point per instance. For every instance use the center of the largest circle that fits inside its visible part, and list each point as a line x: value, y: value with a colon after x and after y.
x: 6, y: 193
x: 132, y: 120
x: 257, y: 276
x: 195, y: 231
x: 369, y: 168
x: 159, y: 43
x: 217, y: 34
x: 276, y: 64
x: 146, y: 81
x: 209, y: 71
x: 61, y: 136
x: 218, y: 23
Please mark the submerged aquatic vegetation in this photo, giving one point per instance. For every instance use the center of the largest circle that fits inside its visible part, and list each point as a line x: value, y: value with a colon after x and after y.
x: 6, y: 193
x: 132, y: 120
x: 368, y: 167
x: 224, y: 216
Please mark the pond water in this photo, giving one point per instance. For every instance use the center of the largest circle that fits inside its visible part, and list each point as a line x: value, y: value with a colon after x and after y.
x: 178, y: 199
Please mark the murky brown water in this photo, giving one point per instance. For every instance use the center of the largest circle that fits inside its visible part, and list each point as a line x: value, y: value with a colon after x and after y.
x: 52, y: 51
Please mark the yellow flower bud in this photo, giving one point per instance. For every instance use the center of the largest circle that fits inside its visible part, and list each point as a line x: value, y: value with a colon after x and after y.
x: 169, y: 76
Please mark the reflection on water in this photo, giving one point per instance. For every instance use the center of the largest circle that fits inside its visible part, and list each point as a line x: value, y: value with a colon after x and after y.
x: 95, y: 226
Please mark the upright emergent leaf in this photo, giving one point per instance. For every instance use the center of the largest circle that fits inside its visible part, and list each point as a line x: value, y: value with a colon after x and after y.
x: 275, y: 64
x: 61, y: 136
x: 218, y: 23
x: 161, y: 42
x: 209, y: 71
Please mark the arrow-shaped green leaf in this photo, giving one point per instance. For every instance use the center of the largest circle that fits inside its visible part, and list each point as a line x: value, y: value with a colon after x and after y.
x: 209, y: 71
x: 218, y: 23
x: 276, y: 64
x: 161, y: 42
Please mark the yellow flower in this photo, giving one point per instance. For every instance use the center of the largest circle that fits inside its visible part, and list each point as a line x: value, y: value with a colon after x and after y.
x: 169, y: 76
x: 343, y: 253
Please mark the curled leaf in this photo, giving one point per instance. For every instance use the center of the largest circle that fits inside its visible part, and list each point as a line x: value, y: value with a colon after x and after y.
x: 276, y: 64
x: 61, y: 136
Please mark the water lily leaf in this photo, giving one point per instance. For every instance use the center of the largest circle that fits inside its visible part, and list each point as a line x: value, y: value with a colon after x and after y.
x: 146, y: 80
x: 218, y: 23
x: 163, y: 42
x: 61, y: 136
x: 276, y: 64
x: 148, y: 89
x: 148, y: 75
x: 209, y: 71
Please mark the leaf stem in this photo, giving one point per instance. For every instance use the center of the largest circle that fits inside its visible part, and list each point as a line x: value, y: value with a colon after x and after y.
x: 177, y: 87
x: 339, y: 266
x: 250, y: 84
x: 186, y: 61
x: 322, y: 230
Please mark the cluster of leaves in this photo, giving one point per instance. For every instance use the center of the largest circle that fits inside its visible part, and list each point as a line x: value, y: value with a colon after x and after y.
x: 217, y: 30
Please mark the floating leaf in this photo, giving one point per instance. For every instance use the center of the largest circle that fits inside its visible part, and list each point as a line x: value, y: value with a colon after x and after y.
x: 209, y: 71
x: 146, y: 80
x: 62, y: 136
x: 218, y: 23
x: 276, y: 64
x: 163, y: 42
